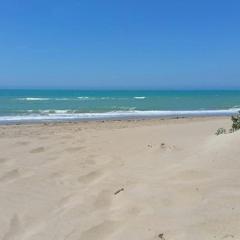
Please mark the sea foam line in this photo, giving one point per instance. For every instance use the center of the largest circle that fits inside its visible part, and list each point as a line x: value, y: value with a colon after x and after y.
x: 34, y: 99
x: 139, y: 97
x: 61, y: 116
x: 83, y: 98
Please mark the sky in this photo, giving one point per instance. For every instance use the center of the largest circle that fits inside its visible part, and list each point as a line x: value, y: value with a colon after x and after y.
x: 120, y: 44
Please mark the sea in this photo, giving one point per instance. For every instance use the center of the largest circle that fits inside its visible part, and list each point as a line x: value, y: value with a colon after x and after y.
x: 19, y: 106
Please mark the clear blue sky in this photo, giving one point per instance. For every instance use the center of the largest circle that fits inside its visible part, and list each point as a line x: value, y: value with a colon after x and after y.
x: 127, y: 44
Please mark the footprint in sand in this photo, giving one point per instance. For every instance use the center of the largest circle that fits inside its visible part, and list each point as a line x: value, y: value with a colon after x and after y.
x: 14, y: 229
x: 67, y: 137
x: 90, y: 177
x: 66, y: 203
x: 22, y: 143
x: 9, y: 176
x: 3, y: 160
x: 100, y: 231
x: 193, y: 174
x: 37, y: 150
x: 74, y: 149
x: 103, y: 199
x: 228, y: 236
x: 90, y: 161
x: 163, y: 147
x: 167, y: 147
x: 43, y: 137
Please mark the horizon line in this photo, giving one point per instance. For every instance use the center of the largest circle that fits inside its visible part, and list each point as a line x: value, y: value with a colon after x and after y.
x: 123, y: 89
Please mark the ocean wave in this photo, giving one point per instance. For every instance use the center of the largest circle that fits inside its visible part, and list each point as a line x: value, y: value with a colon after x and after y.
x: 62, y: 99
x: 101, y: 98
x: 52, y: 111
x: 34, y: 99
x: 236, y: 107
x: 70, y: 111
x: 65, y: 115
x: 108, y: 98
x: 122, y: 108
x: 55, y: 99
x: 140, y: 97
x: 83, y: 98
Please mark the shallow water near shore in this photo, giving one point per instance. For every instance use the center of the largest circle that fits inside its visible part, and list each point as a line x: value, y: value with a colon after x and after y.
x: 55, y: 105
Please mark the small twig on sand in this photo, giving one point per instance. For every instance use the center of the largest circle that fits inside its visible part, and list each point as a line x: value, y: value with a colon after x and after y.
x: 118, y: 191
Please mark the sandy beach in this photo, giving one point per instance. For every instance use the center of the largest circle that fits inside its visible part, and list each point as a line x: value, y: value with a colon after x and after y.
x: 169, y: 179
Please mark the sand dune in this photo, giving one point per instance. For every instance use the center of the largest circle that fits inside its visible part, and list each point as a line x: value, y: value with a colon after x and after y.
x: 153, y: 179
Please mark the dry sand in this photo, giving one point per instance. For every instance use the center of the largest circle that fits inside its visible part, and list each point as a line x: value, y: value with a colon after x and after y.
x: 123, y: 180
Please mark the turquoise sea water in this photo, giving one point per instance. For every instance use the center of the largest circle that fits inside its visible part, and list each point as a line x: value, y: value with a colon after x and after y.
x: 42, y: 105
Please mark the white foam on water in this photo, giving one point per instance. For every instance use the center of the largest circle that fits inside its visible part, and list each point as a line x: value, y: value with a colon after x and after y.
x: 236, y: 107
x: 62, y: 99
x: 34, y: 99
x: 140, y: 97
x: 65, y: 115
x: 83, y: 98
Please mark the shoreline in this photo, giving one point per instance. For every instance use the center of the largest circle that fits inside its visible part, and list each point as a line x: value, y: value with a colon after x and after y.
x: 123, y: 120
x: 114, y: 116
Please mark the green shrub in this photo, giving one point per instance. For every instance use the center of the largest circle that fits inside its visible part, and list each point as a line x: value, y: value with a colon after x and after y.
x: 236, y: 122
x: 221, y: 131
x: 235, y: 125
x: 230, y: 130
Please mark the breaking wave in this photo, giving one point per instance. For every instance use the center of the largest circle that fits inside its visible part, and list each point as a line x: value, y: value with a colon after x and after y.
x: 69, y: 115
x: 139, y: 97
